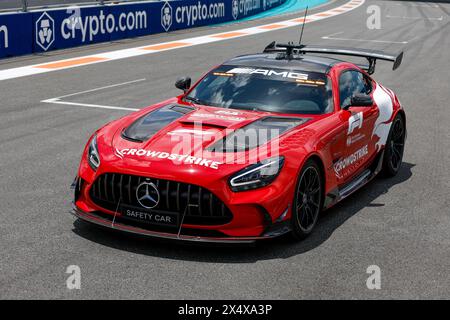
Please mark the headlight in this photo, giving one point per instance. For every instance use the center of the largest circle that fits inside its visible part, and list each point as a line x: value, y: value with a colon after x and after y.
x: 257, y: 175
x: 93, y: 157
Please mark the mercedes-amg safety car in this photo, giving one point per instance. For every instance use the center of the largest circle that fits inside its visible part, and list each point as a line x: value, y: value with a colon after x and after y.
x: 257, y: 148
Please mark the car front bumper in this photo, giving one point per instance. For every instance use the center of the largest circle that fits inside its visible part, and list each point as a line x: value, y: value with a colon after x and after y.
x: 275, y: 231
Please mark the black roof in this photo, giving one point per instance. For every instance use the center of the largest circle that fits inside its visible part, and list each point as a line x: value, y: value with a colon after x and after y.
x: 302, y: 62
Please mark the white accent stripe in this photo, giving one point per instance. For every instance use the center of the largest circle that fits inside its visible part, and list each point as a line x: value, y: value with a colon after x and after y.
x: 177, y: 44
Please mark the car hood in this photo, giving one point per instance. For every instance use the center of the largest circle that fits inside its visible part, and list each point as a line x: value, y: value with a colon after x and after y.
x: 173, y: 139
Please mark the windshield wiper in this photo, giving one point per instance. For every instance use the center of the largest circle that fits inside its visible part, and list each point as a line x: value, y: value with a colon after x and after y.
x: 250, y: 108
x: 195, y: 100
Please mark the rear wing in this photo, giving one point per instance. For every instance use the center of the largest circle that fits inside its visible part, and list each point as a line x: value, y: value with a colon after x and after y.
x: 370, y: 55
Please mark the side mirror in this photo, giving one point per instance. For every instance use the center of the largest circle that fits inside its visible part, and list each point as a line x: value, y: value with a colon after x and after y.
x: 361, y: 100
x: 183, y: 83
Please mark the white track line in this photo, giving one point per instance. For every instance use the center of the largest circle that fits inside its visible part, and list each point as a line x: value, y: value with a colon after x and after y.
x: 415, y: 18
x: 417, y: 5
x: 87, y: 105
x: 58, y: 100
x: 177, y: 44
x: 330, y: 37
x: 101, y: 88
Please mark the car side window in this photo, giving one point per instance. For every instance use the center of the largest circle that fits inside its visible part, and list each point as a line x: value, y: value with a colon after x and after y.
x: 352, y: 82
x: 363, y: 82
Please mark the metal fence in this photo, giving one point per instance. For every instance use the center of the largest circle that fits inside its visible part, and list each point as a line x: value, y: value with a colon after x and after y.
x: 26, y: 5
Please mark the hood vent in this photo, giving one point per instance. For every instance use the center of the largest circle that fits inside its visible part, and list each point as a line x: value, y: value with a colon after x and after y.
x: 203, y: 124
x: 256, y: 134
x: 148, y: 125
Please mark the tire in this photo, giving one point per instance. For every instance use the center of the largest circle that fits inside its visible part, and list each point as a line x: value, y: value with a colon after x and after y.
x: 395, y: 145
x: 308, y: 200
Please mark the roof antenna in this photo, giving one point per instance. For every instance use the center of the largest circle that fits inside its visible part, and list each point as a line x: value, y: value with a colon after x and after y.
x: 303, y: 26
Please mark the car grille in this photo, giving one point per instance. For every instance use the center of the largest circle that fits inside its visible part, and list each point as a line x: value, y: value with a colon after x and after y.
x: 204, y: 207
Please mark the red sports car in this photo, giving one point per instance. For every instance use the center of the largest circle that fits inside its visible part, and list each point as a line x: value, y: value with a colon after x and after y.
x: 257, y: 148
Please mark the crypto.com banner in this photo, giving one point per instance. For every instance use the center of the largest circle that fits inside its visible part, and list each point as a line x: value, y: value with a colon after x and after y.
x: 40, y: 31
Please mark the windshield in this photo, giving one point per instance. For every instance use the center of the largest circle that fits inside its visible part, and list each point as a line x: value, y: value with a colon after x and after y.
x: 273, y: 90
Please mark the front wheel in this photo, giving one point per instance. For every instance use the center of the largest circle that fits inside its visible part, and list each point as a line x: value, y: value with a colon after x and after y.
x: 308, y: 200
x: 393, y: 154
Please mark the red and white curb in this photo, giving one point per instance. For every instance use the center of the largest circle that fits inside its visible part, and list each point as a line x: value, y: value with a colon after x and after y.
x: 165, y: 46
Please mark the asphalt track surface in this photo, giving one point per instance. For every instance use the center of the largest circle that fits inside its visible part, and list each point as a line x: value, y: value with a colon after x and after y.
x: 400, y: 224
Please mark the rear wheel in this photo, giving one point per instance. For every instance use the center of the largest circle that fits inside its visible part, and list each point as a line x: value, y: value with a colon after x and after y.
x: 308, y: 200
x: 393, y: 154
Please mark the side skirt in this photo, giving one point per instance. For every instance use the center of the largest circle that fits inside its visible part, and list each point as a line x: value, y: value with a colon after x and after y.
x: 360, y: 180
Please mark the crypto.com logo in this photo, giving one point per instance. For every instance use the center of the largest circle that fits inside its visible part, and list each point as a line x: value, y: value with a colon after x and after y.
x: 45, y: 31
x: 166, y: 16
x: 235, y: 9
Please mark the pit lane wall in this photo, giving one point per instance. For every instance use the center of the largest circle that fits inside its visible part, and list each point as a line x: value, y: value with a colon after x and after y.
x: 44, y: 30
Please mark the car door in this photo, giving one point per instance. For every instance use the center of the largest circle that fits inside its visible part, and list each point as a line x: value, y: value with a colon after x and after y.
x: 354, y: 142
